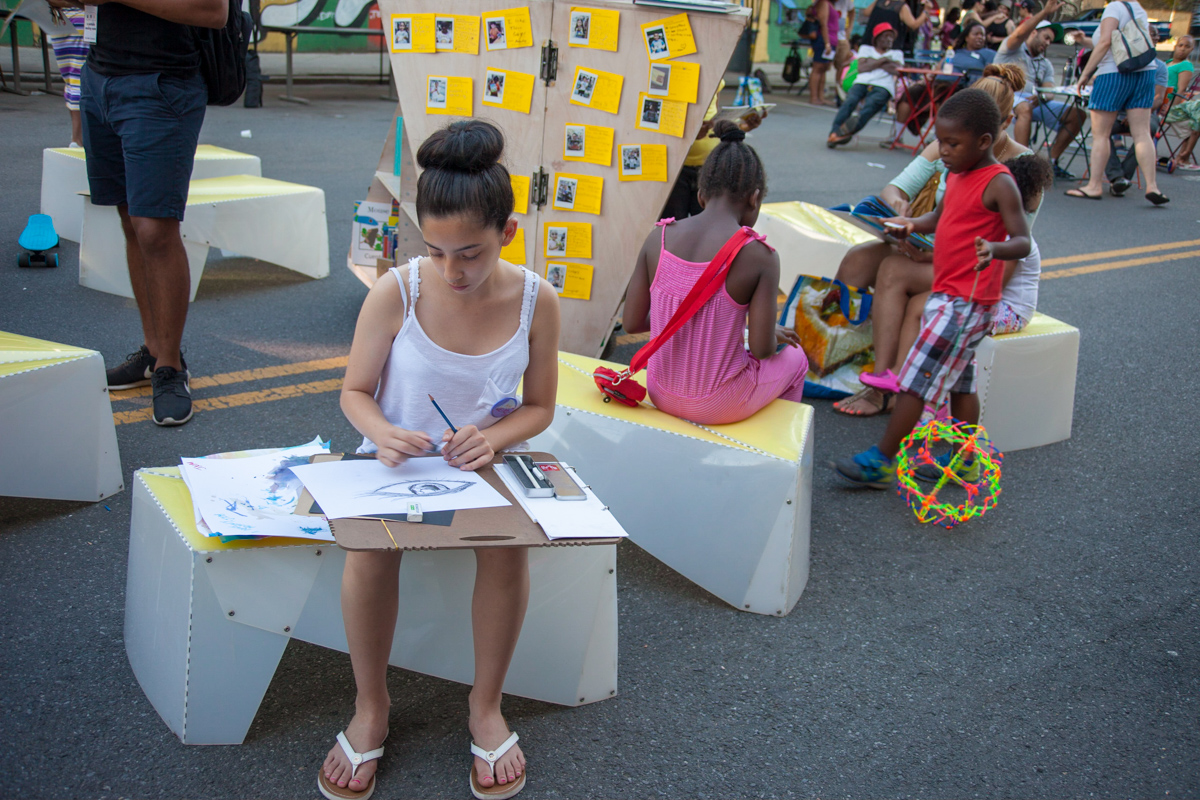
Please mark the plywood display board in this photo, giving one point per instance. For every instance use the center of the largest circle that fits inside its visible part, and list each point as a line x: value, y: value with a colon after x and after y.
x: 536, y: 141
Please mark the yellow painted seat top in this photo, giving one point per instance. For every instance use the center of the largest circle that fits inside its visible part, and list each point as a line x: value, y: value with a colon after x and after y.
x: 204, y: 152
x: 240, y: 187
x: 24, y: 353
x: 168, y: 488
x: 1040, y: 325
x: 778, y: 429
x: 807, y: 216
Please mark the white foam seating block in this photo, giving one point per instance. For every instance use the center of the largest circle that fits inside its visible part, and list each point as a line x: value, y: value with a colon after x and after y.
x: 726, y: 506
x: 56, y: 425
x: 64, y: 179
x: 809, y: 239
x: 275, y: 221
x: 1027, y: 384
x: 206, y: 622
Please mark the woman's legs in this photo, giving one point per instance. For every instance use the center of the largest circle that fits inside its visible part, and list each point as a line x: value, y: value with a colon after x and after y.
x: 900, y: 278
x: 1184, y: 155
x: 497, y: 613
x: 370, y: 601
x: 1143, y: 142
x: 816, y: 83
x: 1102, y: 123
x: 860, y: 265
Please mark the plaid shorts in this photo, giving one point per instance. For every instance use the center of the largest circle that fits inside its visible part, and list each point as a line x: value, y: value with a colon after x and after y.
x: 943, y: 357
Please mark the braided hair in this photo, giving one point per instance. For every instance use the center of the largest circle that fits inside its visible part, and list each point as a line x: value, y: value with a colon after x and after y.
x: 733, y: 168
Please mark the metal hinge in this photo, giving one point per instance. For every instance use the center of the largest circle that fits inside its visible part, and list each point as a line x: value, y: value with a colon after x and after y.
x: 549, y: 62
x: 539, y: 187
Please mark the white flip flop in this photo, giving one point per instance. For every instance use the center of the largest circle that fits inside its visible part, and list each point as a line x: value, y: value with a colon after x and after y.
x: 497, y: 791
x: 334, y: 792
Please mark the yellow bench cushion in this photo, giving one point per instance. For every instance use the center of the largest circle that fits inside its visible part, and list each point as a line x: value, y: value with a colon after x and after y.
x: 24, y: 353
x: 1040, y: 325
x: 204, y: 152
x: 779, y: 429
x: 806, y: 216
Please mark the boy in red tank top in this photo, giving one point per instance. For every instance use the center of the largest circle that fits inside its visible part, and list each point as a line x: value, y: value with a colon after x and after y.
x: 979, y: 223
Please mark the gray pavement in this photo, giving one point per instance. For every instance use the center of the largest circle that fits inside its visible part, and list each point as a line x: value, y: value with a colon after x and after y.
x: 1047, y: 650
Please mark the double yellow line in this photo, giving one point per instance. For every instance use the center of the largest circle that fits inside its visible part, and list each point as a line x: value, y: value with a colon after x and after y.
x: 1103, y: 265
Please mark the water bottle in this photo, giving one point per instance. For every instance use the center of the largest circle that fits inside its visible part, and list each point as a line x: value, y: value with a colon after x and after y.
x: 1069, y: 72
x: 948, y: 64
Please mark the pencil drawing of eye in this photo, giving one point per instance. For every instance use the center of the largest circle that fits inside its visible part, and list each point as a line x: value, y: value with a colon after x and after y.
x: 420, y: 488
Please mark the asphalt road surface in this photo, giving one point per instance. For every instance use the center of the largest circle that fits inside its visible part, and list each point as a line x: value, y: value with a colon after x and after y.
x: 1047, y: 650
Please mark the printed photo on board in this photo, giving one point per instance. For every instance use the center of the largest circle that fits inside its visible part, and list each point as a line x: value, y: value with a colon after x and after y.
x: 443, y: 33
x: 656, y: 40
x: 556, y: 242
x: 402, y: 34
x: 493, y: 87
x: 437, y: 92
x: 564, y: 193
x: 581, y: 27
x: 631, y: 159
x: 576, y: 137
x: 495, y: 33
x: 556, y: 274
x: 651, y: 111
x: 660, y: 79
x: 585, y: 84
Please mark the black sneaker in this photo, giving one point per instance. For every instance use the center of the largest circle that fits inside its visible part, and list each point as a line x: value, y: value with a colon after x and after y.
x: 136, y: 370
x: 172, y: 397
x: 1063, y: 175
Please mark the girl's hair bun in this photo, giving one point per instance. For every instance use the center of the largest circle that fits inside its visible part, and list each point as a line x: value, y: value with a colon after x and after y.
x: 728, y: 131
x: 467, y: 146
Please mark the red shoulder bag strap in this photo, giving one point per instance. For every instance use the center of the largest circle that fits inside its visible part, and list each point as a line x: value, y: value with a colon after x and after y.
x: 712, y: 279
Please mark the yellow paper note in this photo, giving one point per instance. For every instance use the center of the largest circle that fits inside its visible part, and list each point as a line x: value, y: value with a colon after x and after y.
x: 591, y: 144
x: 674, y: 80
x: 567, y: 239
x: 661, y: 115
x: 504, y: 88
x: 520, y: 184
x: 596, y: 28
x: 597, y: 89
x: 507, y: 29
x: 412, y: 33
x: 570, y: 280
x: 449, y: 94
x: 456, y: 33
x: 580, y: 193
x: 669, y: 38
x: 643, y: 162
x: 514, y: 251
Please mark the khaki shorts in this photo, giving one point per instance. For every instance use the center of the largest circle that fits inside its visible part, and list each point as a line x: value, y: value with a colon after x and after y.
x: 842, y: 56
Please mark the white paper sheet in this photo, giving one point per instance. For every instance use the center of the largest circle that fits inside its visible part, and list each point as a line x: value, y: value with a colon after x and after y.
x: 566, y: 519
x: 253, y: 496
x: 367, y: 486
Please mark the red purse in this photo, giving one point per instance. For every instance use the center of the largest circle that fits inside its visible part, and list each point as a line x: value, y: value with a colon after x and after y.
x: 621, y: 386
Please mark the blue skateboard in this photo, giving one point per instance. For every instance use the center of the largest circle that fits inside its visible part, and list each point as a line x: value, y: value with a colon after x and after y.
x: 37, y: 238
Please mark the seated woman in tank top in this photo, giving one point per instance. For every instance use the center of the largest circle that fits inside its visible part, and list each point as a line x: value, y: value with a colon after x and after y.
x: 704, y: 372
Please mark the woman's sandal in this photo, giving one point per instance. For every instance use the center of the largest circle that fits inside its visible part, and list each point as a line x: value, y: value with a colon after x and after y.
x: 884, y: 406
x: 334, y: 792
x: 497, y: 791
x: 1080, y: 193
x: 1158, y: 198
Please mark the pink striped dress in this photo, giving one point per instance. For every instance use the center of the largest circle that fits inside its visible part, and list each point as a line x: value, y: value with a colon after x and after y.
x: 704, y: 372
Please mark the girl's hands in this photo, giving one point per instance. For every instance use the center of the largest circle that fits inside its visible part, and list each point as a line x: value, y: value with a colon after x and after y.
x: 397, y: 444
x: 983, y: 252
x: 468, y: 449
x: 786, y: 336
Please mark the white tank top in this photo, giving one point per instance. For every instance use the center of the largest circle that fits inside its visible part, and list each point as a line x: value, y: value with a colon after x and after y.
x: 472, y: 390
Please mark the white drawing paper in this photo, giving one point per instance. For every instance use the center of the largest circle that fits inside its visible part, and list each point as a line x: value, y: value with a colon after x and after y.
x: 572, y: 519
x: 253, y: 496
x: 366, y: 486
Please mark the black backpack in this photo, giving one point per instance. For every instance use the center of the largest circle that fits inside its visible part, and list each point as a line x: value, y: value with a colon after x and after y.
x: 223, y: 56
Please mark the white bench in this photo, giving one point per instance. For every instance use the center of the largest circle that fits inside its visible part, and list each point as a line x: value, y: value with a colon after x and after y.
x: 275, y: 221
x: 810, y: 240
x: 56, y: 423
x: 206, y: 622
x: 726, y: 506
x: 64, y: 180
x: 1027, y: 384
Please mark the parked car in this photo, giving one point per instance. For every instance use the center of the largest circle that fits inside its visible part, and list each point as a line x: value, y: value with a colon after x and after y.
x: 1087, y: 23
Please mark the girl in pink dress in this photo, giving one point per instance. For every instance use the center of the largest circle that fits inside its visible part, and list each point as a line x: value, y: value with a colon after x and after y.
x: 704, y: 373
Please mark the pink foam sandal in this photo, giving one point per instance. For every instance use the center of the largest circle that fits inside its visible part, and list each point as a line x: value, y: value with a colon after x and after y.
x: 887, y: 382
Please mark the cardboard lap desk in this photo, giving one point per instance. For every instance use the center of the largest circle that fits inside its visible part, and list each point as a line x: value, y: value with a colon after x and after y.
x: 206, y: 622
x: 55, y: 412
x: 64, y: 179
x: 726, y: 506
x: 275, y: 221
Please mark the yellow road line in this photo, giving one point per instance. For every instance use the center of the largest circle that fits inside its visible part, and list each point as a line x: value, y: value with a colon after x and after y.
x: 1133, y: 262
x: 1128, y: 251
x: 224, y: 379
x: 242, y: 399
